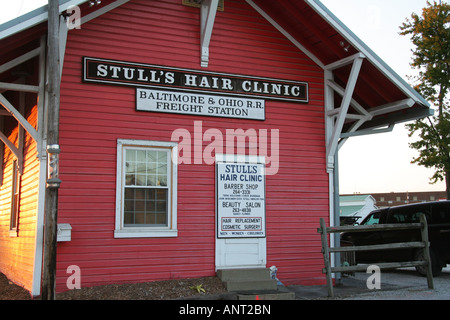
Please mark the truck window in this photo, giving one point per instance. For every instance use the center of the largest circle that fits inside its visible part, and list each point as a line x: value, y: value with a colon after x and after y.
x: 441, y: 213
x: 373, y: 218
x: 409, y: 215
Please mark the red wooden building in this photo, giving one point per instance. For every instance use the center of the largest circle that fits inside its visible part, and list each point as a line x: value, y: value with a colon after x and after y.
x: 194, y: 136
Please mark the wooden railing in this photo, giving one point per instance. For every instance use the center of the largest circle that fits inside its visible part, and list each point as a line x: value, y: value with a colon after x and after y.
x: 326, y: 250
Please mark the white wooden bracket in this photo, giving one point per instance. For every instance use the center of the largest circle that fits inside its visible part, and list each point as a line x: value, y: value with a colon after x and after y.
x: 336, y: 117
x: 21, y: 88
x: 16, y: 114
x: 208, y: 10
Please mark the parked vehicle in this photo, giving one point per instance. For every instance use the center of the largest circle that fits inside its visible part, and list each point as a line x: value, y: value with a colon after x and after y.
x: 438, y: 219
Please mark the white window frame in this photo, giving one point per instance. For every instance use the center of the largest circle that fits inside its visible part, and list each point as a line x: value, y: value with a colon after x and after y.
x: 15, y: 200
x: 146, y: 232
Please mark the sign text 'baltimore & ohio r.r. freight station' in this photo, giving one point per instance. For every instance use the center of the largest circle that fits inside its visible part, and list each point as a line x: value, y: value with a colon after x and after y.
x: 185, y: 91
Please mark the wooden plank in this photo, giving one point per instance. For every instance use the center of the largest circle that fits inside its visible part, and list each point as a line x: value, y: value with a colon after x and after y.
x: 398, y: 245
x: 374, y: 227
x: 19, y: 87
x: 384, y: 265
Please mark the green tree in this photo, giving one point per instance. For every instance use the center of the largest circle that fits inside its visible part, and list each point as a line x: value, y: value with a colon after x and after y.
x: 430, y: 34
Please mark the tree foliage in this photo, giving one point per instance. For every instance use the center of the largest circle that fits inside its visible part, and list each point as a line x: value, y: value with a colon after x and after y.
x: 430, y: 34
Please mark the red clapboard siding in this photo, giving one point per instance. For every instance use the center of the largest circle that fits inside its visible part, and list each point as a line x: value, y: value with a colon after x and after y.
x: 17, y: 253
x: 93, y: 117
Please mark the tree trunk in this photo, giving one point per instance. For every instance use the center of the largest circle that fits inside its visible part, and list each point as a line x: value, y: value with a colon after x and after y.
x: 447, y: 183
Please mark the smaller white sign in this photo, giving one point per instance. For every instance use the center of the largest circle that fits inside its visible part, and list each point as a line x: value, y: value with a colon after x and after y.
x: 199, y: 104
x: 240, y: 192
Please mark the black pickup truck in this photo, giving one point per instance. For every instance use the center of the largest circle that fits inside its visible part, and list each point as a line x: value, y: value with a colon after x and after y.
x: 438, y: 219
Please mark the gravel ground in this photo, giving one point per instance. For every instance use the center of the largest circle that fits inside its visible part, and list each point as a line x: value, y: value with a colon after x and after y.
x: 403, y: 284
x: 409, y: 286
x: 10, y: 291
x: 159, y: 290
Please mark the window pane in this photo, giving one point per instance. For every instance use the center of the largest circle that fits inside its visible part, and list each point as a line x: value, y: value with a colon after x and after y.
x: 161, y: 206
x: 128, y: 218
x: 151, y: 156
x: 140, y: 156
x: 131, y: 155
x: 162, y: 180
x: 151, y: 194
x: 14, y: 215
x: 161, y: 194
x: 141, y: 180
x: 145, y: 207
x: 129, y: 193
x: 130, y: 167
x: 151, y: 168
x: 162, y: 168
x: 139, y: 194
x: 139, y: 206
x: 150, y: 218
x: 161, y: 218
x: 139, y: 218
x: 129, y: 205
x: 151, y: 180
x: 162, y: 157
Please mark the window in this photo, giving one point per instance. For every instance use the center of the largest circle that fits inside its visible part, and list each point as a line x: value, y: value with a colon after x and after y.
x: 408, y: 215
x: 374, y: 218
x: 146, y: 189
x: 15, y: 195
x: 441, y: 212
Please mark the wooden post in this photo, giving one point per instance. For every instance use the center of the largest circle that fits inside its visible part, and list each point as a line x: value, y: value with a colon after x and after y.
x: 326, y: 257
x: 426, y: 250
x: 51, y: 194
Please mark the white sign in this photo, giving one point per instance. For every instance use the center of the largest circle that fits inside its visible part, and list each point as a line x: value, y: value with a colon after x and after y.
x: 199, y: 104
x: 241, y: 210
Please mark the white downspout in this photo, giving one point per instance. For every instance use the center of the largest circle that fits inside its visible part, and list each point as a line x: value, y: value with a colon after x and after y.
x: 42, y: 157
x: 39, y: 240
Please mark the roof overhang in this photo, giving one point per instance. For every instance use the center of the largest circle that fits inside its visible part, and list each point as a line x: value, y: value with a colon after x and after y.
x: 412, y: 107
x: 363, y: 95
x: 380, y: 97
x: 327, y: 41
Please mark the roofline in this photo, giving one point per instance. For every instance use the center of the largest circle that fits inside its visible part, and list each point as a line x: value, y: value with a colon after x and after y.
x: 350, y: 197
x: 356, y: 42
x: 33, y: 18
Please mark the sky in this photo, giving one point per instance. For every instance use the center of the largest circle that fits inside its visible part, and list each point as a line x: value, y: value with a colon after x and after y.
x: 382, y: 162
x: 369, y: 164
